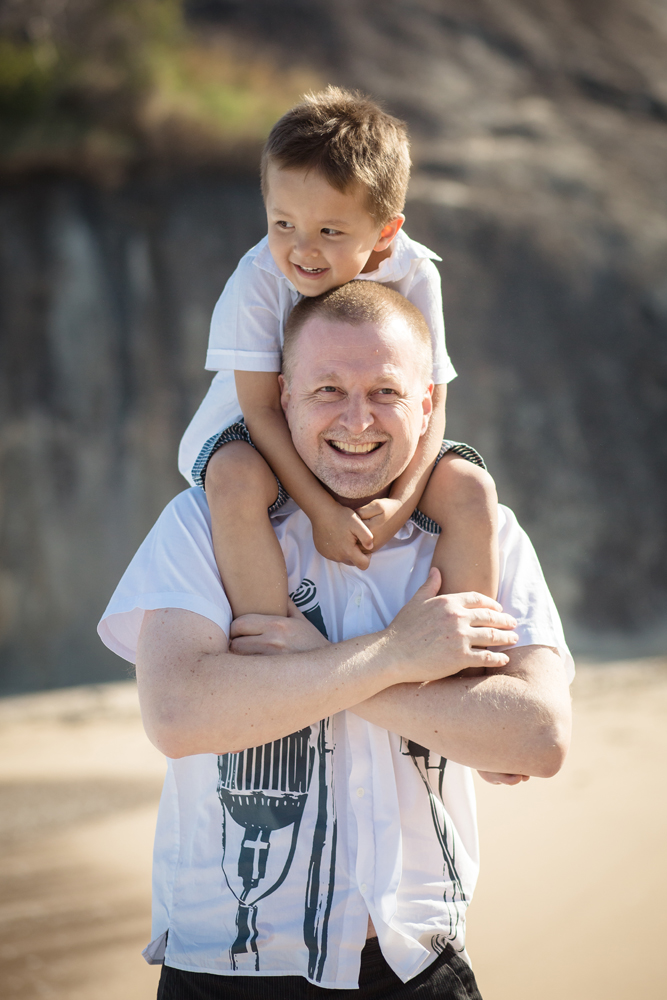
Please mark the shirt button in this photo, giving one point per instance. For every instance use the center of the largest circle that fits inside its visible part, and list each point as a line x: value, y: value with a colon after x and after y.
x: 357, y: 601
x: 360, y: 793
x: 363, y: 887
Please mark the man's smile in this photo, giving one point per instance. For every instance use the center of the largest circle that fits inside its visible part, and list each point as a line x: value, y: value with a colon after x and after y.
x: 355, y: 449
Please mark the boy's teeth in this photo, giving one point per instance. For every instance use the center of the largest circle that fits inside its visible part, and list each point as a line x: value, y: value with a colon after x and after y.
x: 312, y: 270
x: 355, y: 448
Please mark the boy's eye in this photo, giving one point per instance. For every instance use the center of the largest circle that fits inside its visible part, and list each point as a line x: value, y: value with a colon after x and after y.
x: 331, y: 232
x: 284, y: 225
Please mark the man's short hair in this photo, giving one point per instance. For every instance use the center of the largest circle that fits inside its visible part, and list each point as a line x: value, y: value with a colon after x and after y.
x: 356, y: 303
x: 350, y: 140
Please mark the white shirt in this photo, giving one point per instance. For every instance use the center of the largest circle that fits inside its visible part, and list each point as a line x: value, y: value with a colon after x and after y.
x: 342, y: 812
x: 249, y: 318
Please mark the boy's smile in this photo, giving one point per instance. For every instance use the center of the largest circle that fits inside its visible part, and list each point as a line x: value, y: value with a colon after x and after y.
x: 319, y: 237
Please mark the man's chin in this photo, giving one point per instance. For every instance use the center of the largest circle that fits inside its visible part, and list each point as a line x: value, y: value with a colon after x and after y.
x: 350, y: 486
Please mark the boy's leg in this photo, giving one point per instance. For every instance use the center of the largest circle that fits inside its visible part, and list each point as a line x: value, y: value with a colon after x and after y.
x: 240, y: 488
x: 461, y: 498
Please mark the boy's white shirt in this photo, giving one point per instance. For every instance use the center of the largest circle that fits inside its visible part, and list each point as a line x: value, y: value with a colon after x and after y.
x: 248, y: 321
x: 381, y: 832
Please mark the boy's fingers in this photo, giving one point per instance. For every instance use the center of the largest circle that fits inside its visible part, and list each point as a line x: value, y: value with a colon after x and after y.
x: 360, y: 559
x: 363, y: 534
x: 369, y: 510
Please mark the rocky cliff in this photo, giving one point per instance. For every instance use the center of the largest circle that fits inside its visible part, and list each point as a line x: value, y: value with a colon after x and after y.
x: 540, y: 142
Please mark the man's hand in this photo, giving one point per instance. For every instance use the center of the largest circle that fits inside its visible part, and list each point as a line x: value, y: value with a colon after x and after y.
x: 495, y: 778
x: 434, y: 637
x: 264, y: 634
x: 340, y: 535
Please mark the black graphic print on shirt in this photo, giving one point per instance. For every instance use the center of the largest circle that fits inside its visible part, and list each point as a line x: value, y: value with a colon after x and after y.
x: 431, y: 768
x: 305, y: 598
x: 263, y: 792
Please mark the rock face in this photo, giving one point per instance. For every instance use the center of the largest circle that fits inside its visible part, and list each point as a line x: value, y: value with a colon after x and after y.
x: 540, y: 142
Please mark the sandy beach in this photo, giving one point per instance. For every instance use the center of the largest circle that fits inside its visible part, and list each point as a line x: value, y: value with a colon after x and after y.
x: 569, y: 901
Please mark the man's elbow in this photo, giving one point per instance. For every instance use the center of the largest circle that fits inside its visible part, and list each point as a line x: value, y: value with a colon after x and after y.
x: 553, y: 741
x: 177, y: 732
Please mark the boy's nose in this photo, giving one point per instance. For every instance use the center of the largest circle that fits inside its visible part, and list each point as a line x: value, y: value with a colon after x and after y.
x: 306, y: 248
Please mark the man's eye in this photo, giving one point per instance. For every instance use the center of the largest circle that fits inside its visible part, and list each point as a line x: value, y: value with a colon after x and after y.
x: 328, y: 388
x: 387, y: 392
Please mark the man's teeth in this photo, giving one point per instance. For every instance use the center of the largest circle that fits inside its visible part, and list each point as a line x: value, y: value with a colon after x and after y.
x: 356, y: 449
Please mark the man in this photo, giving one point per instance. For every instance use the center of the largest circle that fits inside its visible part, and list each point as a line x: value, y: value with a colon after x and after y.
x: 351, y: 816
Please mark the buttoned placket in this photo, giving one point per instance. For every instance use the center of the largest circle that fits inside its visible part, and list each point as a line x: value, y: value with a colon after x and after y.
x: 357, y: 620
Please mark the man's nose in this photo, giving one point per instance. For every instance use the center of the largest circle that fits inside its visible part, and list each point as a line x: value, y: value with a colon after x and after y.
x: 356, y: 416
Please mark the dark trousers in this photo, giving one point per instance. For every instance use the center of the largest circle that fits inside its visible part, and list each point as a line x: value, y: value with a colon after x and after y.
x: 448, y: 978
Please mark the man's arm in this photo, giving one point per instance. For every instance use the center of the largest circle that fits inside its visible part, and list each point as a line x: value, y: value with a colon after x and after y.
x: 197, y: 697
x: 511, y: 721
x: 515, y: 720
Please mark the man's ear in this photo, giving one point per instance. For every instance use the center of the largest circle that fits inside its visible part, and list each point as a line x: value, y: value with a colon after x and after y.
x: 284, y: 393
x: 388, y: 233
x: 427, y: 407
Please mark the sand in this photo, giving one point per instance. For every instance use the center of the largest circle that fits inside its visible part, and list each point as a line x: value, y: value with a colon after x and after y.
x: 569, y: 902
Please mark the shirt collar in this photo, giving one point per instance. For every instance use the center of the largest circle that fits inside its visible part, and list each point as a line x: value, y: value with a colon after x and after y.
x: 403, y: 252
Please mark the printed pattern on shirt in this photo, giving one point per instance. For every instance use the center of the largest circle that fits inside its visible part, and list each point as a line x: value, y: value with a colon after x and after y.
x: 263, y: 792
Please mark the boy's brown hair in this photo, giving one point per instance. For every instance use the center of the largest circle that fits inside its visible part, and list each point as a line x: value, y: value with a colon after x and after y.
x: 350, y: 140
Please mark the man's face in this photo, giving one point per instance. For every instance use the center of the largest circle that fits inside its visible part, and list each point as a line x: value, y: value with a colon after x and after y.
x: 319, y: 237
x: 357, y: 404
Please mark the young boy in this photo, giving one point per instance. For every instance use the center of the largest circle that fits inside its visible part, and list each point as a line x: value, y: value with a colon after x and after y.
x: 335, y: 172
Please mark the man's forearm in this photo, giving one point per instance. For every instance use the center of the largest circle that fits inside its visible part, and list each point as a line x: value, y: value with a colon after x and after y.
x: 196, y: 697
x: 514, y: 721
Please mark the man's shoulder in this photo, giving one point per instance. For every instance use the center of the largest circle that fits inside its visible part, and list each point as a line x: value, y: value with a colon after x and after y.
x: 186, y: 510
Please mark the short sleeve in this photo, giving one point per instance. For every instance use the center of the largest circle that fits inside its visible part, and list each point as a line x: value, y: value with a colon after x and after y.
x: 425, y: 293
x: 523, y: 591
x: 247, y: 321
x: 173, y: 568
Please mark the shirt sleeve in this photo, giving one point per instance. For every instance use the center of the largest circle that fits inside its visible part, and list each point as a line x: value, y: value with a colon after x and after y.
x: 173, y: 568
x: 523, y: 591
x: 247, y: 322
x: 425, y: 293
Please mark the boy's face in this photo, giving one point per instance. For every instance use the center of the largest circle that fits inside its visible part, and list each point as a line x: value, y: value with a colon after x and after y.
x: 319, y: 237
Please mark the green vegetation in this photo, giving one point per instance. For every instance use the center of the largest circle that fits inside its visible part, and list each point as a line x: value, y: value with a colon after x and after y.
x: 111, y: 84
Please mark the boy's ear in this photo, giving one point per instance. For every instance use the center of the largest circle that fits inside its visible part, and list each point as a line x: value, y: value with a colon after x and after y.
x: 388, y: 232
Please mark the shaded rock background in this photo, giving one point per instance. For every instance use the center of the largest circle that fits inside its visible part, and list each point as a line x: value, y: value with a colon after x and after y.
x: 540, y: 144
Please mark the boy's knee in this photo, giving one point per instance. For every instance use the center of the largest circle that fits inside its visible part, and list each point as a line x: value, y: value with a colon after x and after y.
x: 238, y: 470
x: 464, y: 482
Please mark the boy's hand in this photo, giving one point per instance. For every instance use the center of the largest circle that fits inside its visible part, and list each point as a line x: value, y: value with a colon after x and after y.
x: 343, y: 537
x: 494, y: 778
x: 384, y: 518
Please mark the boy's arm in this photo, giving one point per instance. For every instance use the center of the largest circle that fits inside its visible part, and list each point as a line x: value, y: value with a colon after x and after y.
x: 339, y: 534
x: 385, y: 517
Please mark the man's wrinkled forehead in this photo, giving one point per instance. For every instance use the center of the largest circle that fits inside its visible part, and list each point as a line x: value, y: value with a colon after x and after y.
x: 329, y: 351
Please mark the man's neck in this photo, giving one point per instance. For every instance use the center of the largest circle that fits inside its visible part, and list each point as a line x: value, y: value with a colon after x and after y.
x: 356, y: 502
